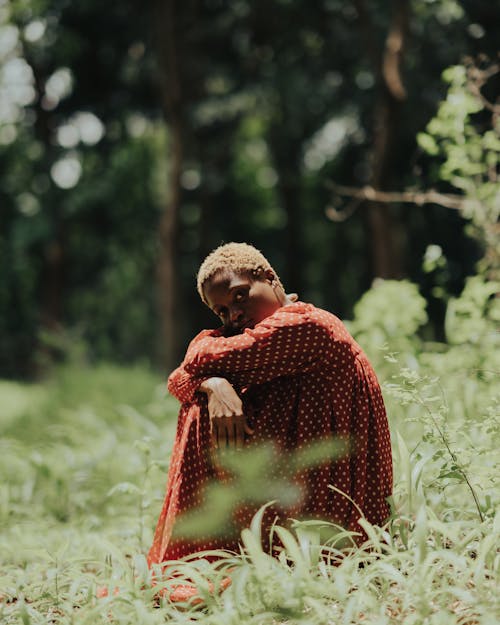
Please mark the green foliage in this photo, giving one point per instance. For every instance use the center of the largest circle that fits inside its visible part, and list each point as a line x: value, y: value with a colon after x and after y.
x: 475, y: 316
x: 465, y: 137
x: 84, y: 456
x: 390, y: 310
x: 448, y: 394
x: 253, y: 172
x: 272, y: 109
x: 466, y: 152
x: 388, y: 318
x: 253, y: 477
x: 78, y: 184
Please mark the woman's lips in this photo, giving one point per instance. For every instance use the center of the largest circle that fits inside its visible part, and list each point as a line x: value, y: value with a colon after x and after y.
x: 231, y: 330
x: 243, y: 326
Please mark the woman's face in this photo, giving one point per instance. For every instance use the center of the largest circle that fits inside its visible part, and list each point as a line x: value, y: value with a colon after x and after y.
x: 240, y: 300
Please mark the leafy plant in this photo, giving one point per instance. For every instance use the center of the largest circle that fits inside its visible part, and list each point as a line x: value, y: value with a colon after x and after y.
x: 465, y: 137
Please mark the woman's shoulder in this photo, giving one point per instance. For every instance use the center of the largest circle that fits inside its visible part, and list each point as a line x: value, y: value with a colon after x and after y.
x: 300, y: 312
x: 204, y: 334
x: 306, y: 309
x: 303, y: 312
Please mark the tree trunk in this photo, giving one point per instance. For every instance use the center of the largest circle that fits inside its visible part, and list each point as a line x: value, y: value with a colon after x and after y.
x: 286, y: 158
x: 53, y: 255
x: 383, y: 225
x: 170, y: 296
x: 52, y: 281
x: 290, y: 197
x: 385, y: 231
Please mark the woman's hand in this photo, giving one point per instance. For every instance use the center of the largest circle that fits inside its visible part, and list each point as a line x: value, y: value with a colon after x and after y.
x: 227, y: 421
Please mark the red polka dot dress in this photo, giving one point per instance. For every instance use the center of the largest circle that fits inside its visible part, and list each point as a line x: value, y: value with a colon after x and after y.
x: 303, y: 379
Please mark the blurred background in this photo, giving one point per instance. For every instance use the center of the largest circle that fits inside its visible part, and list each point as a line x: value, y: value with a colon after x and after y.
x: 137, y: 136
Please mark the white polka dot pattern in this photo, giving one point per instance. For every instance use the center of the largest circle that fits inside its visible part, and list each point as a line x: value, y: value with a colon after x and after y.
x: 304, y: 379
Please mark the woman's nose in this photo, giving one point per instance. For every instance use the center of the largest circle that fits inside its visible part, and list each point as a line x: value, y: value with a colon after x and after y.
x: 235, y: 314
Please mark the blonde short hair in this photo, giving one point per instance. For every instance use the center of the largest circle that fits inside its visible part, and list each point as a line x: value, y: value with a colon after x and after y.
x: 238, y: 257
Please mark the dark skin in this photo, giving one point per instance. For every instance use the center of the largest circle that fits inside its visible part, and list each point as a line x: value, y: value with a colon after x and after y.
x: 240, y: 300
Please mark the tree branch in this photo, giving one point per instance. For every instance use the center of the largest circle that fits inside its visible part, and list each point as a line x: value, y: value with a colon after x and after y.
x: 367, y: 193
x: 479, y: 77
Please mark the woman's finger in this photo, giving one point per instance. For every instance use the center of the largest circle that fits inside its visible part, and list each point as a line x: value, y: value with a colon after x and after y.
x: 240, y: 432
x: 221, y: 433
x: 233, y: 408
x: 231, y: 432
x: 213, y: 433
x: 228, y: 430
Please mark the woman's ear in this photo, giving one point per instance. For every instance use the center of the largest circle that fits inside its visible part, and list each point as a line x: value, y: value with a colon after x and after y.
x: 269, y: 276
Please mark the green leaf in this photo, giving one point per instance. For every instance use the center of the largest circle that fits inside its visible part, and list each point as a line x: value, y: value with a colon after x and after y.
x: 427, y: 143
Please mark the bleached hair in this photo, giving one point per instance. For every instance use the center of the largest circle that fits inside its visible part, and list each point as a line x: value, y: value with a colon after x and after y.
x: 238, y: 257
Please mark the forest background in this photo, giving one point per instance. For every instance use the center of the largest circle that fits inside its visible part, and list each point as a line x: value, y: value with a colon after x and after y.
x: 357, y: 144
x: 134, y: 140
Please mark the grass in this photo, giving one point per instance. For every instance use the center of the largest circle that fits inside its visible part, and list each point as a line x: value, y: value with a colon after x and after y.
x: 83, y: 459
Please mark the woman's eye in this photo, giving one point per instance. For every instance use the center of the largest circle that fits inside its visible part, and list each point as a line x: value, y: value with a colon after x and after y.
x: 239, y: 297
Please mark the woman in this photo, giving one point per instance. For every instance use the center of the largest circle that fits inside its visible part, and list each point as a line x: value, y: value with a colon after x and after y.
x: 277, y: 372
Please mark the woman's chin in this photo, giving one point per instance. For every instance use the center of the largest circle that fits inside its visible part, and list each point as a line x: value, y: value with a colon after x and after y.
x: 232, y: 331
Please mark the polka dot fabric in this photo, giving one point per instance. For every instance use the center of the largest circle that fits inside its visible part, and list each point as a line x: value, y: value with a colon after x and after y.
x: 304, y: 379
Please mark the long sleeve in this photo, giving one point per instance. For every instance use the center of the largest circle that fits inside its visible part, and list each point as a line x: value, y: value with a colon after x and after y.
x: 183, y: 385
x: 287, y: 342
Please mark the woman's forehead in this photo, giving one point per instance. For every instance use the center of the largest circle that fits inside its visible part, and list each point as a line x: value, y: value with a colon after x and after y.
x: 227, y: 278
x: 224, y: 282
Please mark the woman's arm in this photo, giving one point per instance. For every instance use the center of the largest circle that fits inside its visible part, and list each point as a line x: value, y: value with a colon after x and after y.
x: 285, y: 343
x: 228, y: 424
x: 183, y: 385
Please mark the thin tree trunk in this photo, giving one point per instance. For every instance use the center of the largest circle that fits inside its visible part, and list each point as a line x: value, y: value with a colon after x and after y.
x: 53, y: 280
x: 290, y: 197
x: 386, y: 257
x: 170, y: 296
x: 286, y: 158
x: 384, y: 229
x: 53, y: 255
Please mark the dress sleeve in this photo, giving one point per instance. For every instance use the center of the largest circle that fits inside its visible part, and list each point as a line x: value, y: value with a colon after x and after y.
x: 183, y: 385
x: 283, y: 344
